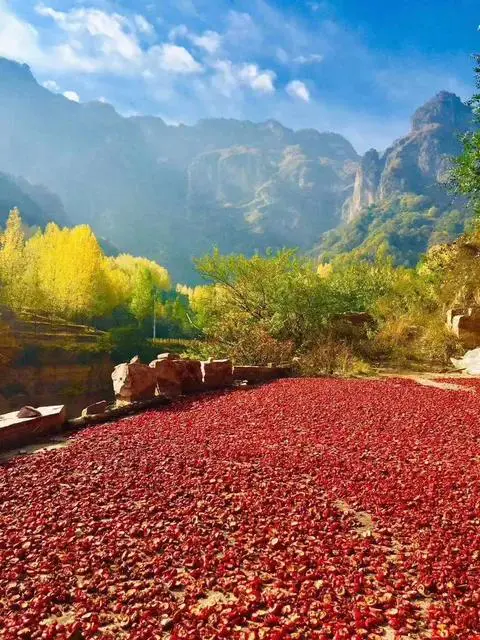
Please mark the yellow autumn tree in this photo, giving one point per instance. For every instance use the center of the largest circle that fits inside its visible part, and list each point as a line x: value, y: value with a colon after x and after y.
x: 12, y: 263
x: 73, y: 274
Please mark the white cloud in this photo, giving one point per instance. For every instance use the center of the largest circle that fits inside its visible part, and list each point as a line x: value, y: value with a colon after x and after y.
x: 298, y: 89
x: 107, y: 34
x: 143, y: 25
x: 72, y: 95
x: 18, y: 39
x: 310, y: 58
x: 257, y: 79
x: 179, y: 31
x: 230, y: 77
x: 51, y: 85
x: 209, y: 40
x: 175, y: 59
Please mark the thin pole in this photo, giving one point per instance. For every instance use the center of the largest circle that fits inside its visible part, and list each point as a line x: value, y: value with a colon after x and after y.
x: 154, y: 318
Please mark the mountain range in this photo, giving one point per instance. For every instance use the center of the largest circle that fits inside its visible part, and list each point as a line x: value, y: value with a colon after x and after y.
x: 173, y: 192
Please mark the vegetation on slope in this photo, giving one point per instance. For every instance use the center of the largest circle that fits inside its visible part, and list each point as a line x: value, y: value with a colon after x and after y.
x: 403, y: 227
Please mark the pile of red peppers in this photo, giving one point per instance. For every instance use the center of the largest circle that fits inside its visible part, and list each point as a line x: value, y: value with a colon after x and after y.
x: 314, y: 509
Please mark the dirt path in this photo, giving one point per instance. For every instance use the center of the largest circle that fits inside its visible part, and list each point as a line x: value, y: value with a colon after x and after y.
x: 432, y: 379
x: 448, y: 386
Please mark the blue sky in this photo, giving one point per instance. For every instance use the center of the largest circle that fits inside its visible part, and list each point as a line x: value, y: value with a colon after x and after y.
x: 358, y: 67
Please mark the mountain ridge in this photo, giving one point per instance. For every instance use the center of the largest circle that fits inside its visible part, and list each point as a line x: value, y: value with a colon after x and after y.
x: 172, y: 192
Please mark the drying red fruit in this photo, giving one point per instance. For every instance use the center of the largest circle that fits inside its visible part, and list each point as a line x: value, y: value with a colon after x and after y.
x: 303, y: 509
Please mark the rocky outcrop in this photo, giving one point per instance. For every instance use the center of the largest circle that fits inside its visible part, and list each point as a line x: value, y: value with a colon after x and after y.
x: 464, y: 323
x: 367, y: 181
x: 417, y: 163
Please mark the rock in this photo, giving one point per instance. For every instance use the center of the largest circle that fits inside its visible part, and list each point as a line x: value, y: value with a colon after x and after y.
x: 135, y: 360
x: 190, y: 375
x: 95, y: 409
x: 257, y: 374
x: 366, y: 184
x: 28, y: 412
x: 168, y: 356
x: 217, y: 374
x: 465, y: 324
x: 134, y: 381
x: 16, y: 431
x: 168, y: 377
x: 470, y: 363
x: 451, y: 313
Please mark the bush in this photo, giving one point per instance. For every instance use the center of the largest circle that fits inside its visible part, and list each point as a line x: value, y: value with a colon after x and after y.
x: 331, y: 358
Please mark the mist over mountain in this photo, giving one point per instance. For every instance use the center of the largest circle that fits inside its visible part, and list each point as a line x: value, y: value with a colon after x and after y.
x: 173, y: 192
x: 38, y: 205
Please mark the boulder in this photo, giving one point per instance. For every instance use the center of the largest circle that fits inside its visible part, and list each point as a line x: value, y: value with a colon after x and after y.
x: 28, y: 412
x: 95, y: 409
x: 190, y: 375
x: 217, y: 374
x: 133, y: 382
x: 470, y: 363
x: 168, y: 377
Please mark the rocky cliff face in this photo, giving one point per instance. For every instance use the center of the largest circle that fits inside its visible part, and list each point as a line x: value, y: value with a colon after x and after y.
x: 417, y: 163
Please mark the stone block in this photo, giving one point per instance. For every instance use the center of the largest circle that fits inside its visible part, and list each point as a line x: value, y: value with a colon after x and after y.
x: 217, y: 374
x: 95, y: 409
x: 190, y: 375
x: 134, y: 382
x: 15, y: 431
x: 168, y: 377
x: 258, y: 374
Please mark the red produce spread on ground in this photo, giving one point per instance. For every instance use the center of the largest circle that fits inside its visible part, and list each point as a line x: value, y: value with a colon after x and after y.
x: 310, y: 509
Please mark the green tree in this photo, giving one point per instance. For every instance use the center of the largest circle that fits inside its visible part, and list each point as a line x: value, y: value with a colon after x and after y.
x: 141, y: 303
x: 466, y: 174
x: 276, y: 299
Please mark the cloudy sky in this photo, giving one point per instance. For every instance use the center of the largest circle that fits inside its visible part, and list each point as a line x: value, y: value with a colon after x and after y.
x: 359, y: 67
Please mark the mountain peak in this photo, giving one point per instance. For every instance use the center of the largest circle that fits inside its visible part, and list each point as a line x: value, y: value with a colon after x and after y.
x: 444, y: 109
x: 11, y: 70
